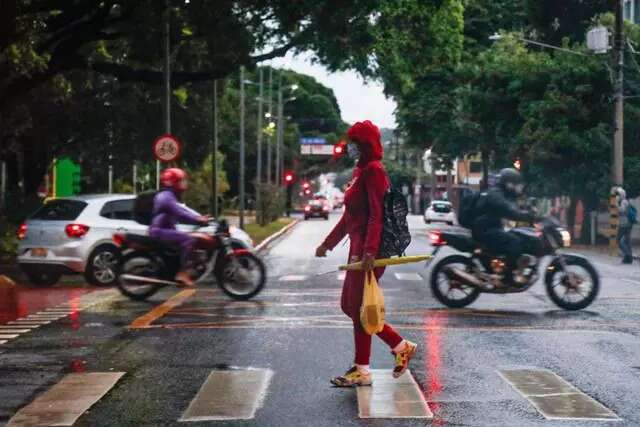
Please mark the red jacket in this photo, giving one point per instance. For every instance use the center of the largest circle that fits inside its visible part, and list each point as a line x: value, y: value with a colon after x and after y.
x: 363, y: 199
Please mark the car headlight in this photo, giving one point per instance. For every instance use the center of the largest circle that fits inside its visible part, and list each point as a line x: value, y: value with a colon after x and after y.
x: 566, y: 238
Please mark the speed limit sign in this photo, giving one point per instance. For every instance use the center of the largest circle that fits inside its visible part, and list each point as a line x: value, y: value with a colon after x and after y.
x: 167, y: 148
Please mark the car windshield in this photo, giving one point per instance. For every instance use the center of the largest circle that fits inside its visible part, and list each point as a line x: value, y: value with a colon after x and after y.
x: 442, y: 207
x: 60, y: 210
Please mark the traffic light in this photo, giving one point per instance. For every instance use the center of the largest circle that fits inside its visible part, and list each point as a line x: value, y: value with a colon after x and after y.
x: 305, y: 185
x: 289, y: 178
x: 339, y: 149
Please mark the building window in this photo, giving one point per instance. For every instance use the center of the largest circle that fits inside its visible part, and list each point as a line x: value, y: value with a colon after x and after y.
x: 475, y: 167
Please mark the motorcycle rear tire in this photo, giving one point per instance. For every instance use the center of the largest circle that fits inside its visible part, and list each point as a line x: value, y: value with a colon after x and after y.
x: 146, y: 292
x: 443, y: 298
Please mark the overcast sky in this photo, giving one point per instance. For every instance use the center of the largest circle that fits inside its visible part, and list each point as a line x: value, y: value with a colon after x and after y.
x: 357, y: 100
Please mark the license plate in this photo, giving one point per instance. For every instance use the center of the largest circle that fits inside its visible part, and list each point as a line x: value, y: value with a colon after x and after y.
x: 39, y: 252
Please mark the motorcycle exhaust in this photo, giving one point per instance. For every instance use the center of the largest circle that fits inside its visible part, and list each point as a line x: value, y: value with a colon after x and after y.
x: 147, y: 280
x: 464, y: 277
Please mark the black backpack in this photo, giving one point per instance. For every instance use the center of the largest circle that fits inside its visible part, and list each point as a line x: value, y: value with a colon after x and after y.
x: 143, y: 207
x: 467, y: 209
x: 395, y: 230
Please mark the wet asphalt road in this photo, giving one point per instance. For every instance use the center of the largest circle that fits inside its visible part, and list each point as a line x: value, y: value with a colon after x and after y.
x: 295, y: 329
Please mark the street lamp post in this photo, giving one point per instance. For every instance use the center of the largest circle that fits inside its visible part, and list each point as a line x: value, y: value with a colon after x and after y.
x: 214, y: 152
x: 167, y: 80
x: 259, y: 145
x: 280, y: 131
x: 241, y: 194
x: 270, y: 114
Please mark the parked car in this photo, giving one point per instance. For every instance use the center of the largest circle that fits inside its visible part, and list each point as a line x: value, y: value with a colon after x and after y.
x: 74, y: 235
x: 440, y: 211
x: 318, y: 207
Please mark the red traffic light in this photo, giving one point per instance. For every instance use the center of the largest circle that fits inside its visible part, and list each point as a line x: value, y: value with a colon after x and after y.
x: 339, y: 149
x: 305, y: 185
x: 289, y: 177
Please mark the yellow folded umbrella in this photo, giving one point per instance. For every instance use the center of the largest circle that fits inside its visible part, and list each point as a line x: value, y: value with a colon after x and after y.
x: 384, y: 262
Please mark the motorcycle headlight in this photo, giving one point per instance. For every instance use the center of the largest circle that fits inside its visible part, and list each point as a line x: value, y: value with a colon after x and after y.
x: 566, y: 238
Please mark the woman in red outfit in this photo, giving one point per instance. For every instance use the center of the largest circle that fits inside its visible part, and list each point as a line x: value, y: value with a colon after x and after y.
x: 362, y: 222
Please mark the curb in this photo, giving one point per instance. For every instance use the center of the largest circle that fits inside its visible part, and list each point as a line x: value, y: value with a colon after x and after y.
x: 266, y: 242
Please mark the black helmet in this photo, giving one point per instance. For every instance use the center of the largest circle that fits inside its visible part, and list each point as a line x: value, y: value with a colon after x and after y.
x: 510, y: 182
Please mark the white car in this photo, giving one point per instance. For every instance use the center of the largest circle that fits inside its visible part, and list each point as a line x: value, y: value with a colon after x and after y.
x: 440, y: 211
x: 75, y: 235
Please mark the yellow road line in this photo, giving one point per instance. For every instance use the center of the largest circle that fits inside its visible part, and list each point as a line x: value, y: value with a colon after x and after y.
x: 146, y: 319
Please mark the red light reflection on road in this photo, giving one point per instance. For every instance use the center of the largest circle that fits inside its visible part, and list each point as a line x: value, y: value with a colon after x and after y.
x: 434, y: 324
x: 75, y: 314
x: 78, y: 366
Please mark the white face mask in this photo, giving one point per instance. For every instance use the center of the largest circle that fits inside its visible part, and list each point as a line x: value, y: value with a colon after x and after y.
x: 353, y: 152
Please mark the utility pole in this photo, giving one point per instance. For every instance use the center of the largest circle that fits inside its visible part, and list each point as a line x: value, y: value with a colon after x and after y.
x: 3, y: 186
x: 214, y: 153
x: 167, y: 79
x: 135, y: 177
x: 279, y: 132
x: 617, y: 160
x: 259, y: 148
x: 241, y: 174
x: 270, y: 118
x: 617, y: 164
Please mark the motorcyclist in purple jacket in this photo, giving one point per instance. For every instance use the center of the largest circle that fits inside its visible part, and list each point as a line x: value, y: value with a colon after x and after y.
x: 167, y: 212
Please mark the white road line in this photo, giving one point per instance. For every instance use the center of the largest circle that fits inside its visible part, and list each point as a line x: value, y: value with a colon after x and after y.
x: 2, y: 342
x: 392, y: 398
x: 31, y: 323
x: 66, y: 401
x: 555, y: 398
x: 13, y: 331
x: 293, y: 278
x: 410, y: 277
x: 8, y: 337
x: 229, y: 395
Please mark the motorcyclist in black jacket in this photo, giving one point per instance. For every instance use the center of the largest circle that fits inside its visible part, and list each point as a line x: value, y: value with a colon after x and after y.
x: 491, y: 208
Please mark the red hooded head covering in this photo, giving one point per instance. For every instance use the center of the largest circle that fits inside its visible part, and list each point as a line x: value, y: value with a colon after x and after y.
x: 367, y: 136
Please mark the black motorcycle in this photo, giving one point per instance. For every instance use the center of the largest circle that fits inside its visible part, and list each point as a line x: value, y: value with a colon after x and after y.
x: 147, y: 265
x: 457, y: 280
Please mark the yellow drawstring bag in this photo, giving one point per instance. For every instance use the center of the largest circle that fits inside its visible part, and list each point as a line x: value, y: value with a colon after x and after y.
x: 372, y: 309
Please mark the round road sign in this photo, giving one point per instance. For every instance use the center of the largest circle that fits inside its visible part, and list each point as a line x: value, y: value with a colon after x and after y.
x: 167, y: 148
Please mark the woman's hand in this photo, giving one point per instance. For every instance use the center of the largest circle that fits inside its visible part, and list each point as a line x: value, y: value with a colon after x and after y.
x: 321, y: 251
x: 367, y: 262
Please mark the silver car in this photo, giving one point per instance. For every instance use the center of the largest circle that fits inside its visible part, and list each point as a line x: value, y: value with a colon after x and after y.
x: 75, y: 235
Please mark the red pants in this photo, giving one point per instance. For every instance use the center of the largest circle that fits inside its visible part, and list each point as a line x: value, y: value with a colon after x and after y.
x: 352, y: 300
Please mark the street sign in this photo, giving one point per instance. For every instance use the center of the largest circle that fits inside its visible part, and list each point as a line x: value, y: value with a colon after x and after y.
x: 167, y: 148
x: 317, y: 150
x: 313, y: 141
x: 598, y: 39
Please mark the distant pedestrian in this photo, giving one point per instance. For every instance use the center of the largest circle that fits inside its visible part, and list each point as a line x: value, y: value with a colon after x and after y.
x: 626, y: 218
x: 362, y: 222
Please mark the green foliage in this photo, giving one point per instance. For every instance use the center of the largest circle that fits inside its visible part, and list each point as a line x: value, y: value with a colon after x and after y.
x: 8, y: 241
x: 200, y: 189
x: 272, y: 204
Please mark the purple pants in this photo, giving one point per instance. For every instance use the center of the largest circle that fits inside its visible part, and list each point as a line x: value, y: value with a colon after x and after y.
x: 176, y: 238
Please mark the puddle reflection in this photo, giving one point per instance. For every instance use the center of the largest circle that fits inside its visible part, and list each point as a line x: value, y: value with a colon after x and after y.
x: 433, y: 327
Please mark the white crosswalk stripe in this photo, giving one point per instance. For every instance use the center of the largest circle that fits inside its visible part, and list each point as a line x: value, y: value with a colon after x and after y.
x: 229, y: 395
x: 66, y: 401
x: 293, y: 278
x: 409, y: 277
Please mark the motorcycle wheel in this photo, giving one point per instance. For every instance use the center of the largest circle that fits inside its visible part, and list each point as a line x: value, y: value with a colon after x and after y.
x: 580, y: 287
x: 138, y: 264
x: 241, y: 276
x: 457, y: 295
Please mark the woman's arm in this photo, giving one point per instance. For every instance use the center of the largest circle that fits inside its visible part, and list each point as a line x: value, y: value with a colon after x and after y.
x: 338, y: 232
x: 376, y: 185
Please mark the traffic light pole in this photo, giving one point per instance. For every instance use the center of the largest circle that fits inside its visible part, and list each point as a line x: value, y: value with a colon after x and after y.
x: 617, y: 160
